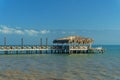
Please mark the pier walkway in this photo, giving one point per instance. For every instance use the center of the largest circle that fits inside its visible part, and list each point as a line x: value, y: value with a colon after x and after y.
x: 51, y: 49
x: 23, y: 49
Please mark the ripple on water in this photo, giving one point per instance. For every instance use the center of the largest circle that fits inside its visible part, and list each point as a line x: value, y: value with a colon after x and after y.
x: 18, y: 75
x: 60, y: 67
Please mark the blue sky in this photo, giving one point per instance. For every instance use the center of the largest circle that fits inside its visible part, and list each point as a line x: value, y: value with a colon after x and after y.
x: 32, y: 19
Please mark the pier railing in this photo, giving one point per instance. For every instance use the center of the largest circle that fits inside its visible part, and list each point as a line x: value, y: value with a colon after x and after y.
x: 7, y: 48
x: 45, y: 49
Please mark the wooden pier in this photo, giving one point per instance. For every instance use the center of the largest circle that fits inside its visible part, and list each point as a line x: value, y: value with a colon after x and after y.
x: 69, y: 45
x: 46, y: 50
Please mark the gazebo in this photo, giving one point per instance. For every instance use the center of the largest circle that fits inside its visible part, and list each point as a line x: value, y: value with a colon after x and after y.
x: 73, y: 43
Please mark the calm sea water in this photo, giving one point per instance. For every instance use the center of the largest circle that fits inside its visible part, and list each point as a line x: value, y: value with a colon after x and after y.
x: 62, y: 67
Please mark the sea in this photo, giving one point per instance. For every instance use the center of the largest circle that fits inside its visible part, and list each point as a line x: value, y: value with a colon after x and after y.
x: 96, y: 66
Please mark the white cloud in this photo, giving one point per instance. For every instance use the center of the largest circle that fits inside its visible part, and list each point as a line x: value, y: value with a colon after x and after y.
x: 19, y: 32
x: 8, y: 30
x: 44, y: 31
x: 31, y: 32
x: 68, y: 32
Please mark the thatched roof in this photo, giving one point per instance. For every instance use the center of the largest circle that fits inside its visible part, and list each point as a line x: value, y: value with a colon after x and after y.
x: 73, y: 39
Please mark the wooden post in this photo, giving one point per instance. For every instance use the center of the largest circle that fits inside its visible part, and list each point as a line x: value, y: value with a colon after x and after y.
x: 51, y: 51
x: 22, y: 45
x: 40, y: 51
x: 22, y: 42
x: 40, y: 45
x: 5, y: 52
x: 41, y: 42
x: 46, y: 44
x: 4, y: 41
x: 69, y: 47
